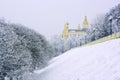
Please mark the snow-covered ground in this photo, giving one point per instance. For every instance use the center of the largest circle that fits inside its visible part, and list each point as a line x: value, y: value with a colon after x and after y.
x: 96, y: 62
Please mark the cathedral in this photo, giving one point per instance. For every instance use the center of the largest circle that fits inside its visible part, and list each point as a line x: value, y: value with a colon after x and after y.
x: 80, y: 31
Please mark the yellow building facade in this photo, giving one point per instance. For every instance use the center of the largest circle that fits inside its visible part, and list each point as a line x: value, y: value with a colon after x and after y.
x: 80, y: 31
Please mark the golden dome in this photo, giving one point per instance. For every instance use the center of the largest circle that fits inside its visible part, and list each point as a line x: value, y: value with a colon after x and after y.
x: 85, y: 22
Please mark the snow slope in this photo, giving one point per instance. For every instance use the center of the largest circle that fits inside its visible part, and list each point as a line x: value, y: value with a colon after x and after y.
x: 96, y: 62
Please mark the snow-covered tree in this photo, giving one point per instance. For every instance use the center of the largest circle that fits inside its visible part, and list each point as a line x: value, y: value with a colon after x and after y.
x: 98, y: 29
x: 58, y: 45
x: 21, y: 50
x: 73, y: 41
x: 115, y: 19
x: 40, y: 49
x: 107, y: 24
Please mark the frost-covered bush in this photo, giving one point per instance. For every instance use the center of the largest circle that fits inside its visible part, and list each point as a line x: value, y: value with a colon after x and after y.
x: 22, y: 50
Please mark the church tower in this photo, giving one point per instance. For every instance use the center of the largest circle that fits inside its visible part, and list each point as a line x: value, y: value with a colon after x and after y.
x: 85, y: 23
x: 65, y: 33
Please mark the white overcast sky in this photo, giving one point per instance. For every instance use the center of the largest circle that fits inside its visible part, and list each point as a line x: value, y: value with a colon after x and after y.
x: 49, y: 16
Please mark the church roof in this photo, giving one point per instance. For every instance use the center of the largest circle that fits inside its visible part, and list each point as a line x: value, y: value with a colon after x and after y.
x: 76, y: 30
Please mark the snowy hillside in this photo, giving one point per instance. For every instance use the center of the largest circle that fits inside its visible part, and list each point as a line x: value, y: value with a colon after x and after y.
x: 96, y: 62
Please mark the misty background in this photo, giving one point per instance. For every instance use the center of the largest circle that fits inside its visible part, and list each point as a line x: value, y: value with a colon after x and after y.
x: 49, y: 16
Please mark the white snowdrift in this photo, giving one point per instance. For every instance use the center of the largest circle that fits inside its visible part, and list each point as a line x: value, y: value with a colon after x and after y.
x: 96, y: 62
